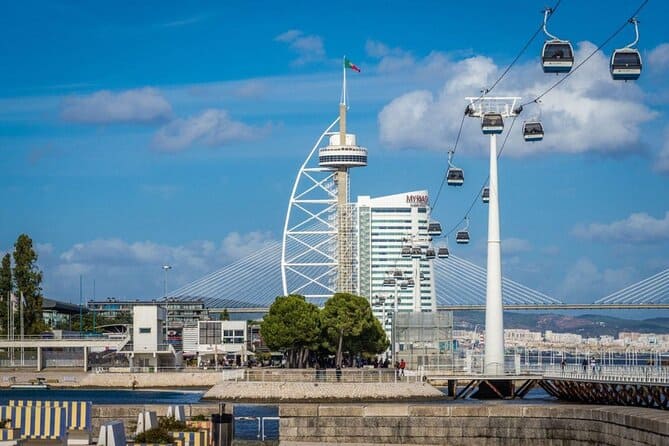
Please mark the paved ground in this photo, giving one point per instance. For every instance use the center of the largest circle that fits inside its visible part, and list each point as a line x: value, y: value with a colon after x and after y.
x: 243, y: 391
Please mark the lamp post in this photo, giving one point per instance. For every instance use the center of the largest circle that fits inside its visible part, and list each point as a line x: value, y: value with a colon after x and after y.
x: 165, y: 269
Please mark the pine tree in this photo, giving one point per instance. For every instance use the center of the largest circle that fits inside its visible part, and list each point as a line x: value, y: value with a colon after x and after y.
x: 28, y: 281
x: 5, y: 289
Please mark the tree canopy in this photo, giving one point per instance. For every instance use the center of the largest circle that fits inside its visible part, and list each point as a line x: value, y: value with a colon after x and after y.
x: 28, y: 282
x: 292, y: 325
x: 345, y: 324
x: 5, y: 289
x: 350, y: 325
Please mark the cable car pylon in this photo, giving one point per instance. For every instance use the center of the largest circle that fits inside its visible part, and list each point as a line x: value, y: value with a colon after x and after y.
x: 494, y: 319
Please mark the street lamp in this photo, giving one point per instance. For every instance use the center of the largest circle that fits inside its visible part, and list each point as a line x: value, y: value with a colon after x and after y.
x: 165, y: 269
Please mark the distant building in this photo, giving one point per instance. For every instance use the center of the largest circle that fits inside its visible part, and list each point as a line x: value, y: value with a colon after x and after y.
x: 562, y: 338
x: 179, y: 312
x: 59, y: 314
x: 216, y: 343
x: 149, y: 349
x: 395, y: 283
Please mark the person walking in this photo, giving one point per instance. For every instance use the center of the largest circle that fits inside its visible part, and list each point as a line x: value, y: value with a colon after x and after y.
x: 402, y: 367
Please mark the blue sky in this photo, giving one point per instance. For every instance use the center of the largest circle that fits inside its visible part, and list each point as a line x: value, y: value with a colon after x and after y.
x: 134, y: 134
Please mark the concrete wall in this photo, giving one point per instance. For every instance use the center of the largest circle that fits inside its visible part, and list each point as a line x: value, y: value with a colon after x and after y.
x: 472, y: 425
x: 72, y: 379
x: 128, y: 414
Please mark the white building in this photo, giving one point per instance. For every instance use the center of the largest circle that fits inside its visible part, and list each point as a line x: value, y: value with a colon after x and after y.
x: 149, y: 344
x: 386, y: 225
x: 216, y: 341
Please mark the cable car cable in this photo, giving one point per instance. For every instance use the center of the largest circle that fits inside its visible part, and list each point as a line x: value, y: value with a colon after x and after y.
x: 477, y: 196
x: 579, y: 65
x: 488, y: 90
x: 443, y: 177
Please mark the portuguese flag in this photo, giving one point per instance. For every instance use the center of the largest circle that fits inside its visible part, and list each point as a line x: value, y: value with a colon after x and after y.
x: 351, y: 65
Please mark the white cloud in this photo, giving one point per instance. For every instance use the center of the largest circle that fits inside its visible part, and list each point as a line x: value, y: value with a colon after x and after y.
x: 515, y: 246
x: 584, y: 282
x: 662, y: 159
x: 133, y: 269
x: 251, y: 89
x: 587, y: 112
x: 142, y: 105
x: 391, y: 59
x: 658, y: 58
x: 638, y: 227
x: 211, y: 128
x: 308, y: 47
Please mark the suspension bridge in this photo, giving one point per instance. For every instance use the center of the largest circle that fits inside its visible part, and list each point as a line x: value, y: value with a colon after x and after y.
x: 252, y: 283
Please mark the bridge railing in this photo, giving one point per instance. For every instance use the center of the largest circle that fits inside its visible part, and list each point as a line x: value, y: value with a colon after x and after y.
x: 650, y: 374
x: 474, y: 365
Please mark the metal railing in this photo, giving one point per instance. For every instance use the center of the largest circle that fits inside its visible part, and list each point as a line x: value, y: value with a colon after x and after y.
x: 515, y: 366
x: 622, y: 374
x: 261, y: 430
x: 361, y: 375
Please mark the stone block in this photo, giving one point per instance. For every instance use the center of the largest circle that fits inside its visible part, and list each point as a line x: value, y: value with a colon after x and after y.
x: 537, y: 412
x: 505, y: 410
x: 386, y: 410
x: 337, y: 410
x: 442, y: 410
x: 473, y: 422
x: 298, y: 410
x: 469, y: 411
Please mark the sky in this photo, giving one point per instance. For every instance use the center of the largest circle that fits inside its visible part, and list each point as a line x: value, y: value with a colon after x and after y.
x: 138, y: 134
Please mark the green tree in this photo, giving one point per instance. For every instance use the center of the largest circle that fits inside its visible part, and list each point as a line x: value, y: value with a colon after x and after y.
x: 28, y: 280
x: 348, y: 322
x: 292, y: 325
x: 5, y: 289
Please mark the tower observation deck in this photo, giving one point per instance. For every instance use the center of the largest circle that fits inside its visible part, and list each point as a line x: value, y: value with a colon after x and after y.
x: 341, y: 154
x: 320, y: 234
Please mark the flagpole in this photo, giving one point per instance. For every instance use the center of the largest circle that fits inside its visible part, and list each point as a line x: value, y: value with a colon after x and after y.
x: 342, y: 106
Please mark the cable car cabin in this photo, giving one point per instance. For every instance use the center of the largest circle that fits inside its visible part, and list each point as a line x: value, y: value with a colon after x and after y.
x: 434, y: 228
x: 406, y: 251
x: 462, y: 237
x: 442, y: 253
x: 485, y: 195
x: 397, y: 274
x: 533, y: 131
x: 626, y: 64
x: 403, y: 286
x: 455, y: 176
x: 492, y: 123
x: 557, y: 56
x: 416, y: 253
x: 410, y: 282
x: 429, y: 253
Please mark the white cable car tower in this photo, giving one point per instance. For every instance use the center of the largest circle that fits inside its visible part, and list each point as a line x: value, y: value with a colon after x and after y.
x: 489, y: 110
x: 318, y: 255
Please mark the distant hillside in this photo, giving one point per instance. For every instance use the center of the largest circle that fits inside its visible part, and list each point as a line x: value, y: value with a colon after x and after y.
x: 588, y: 325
